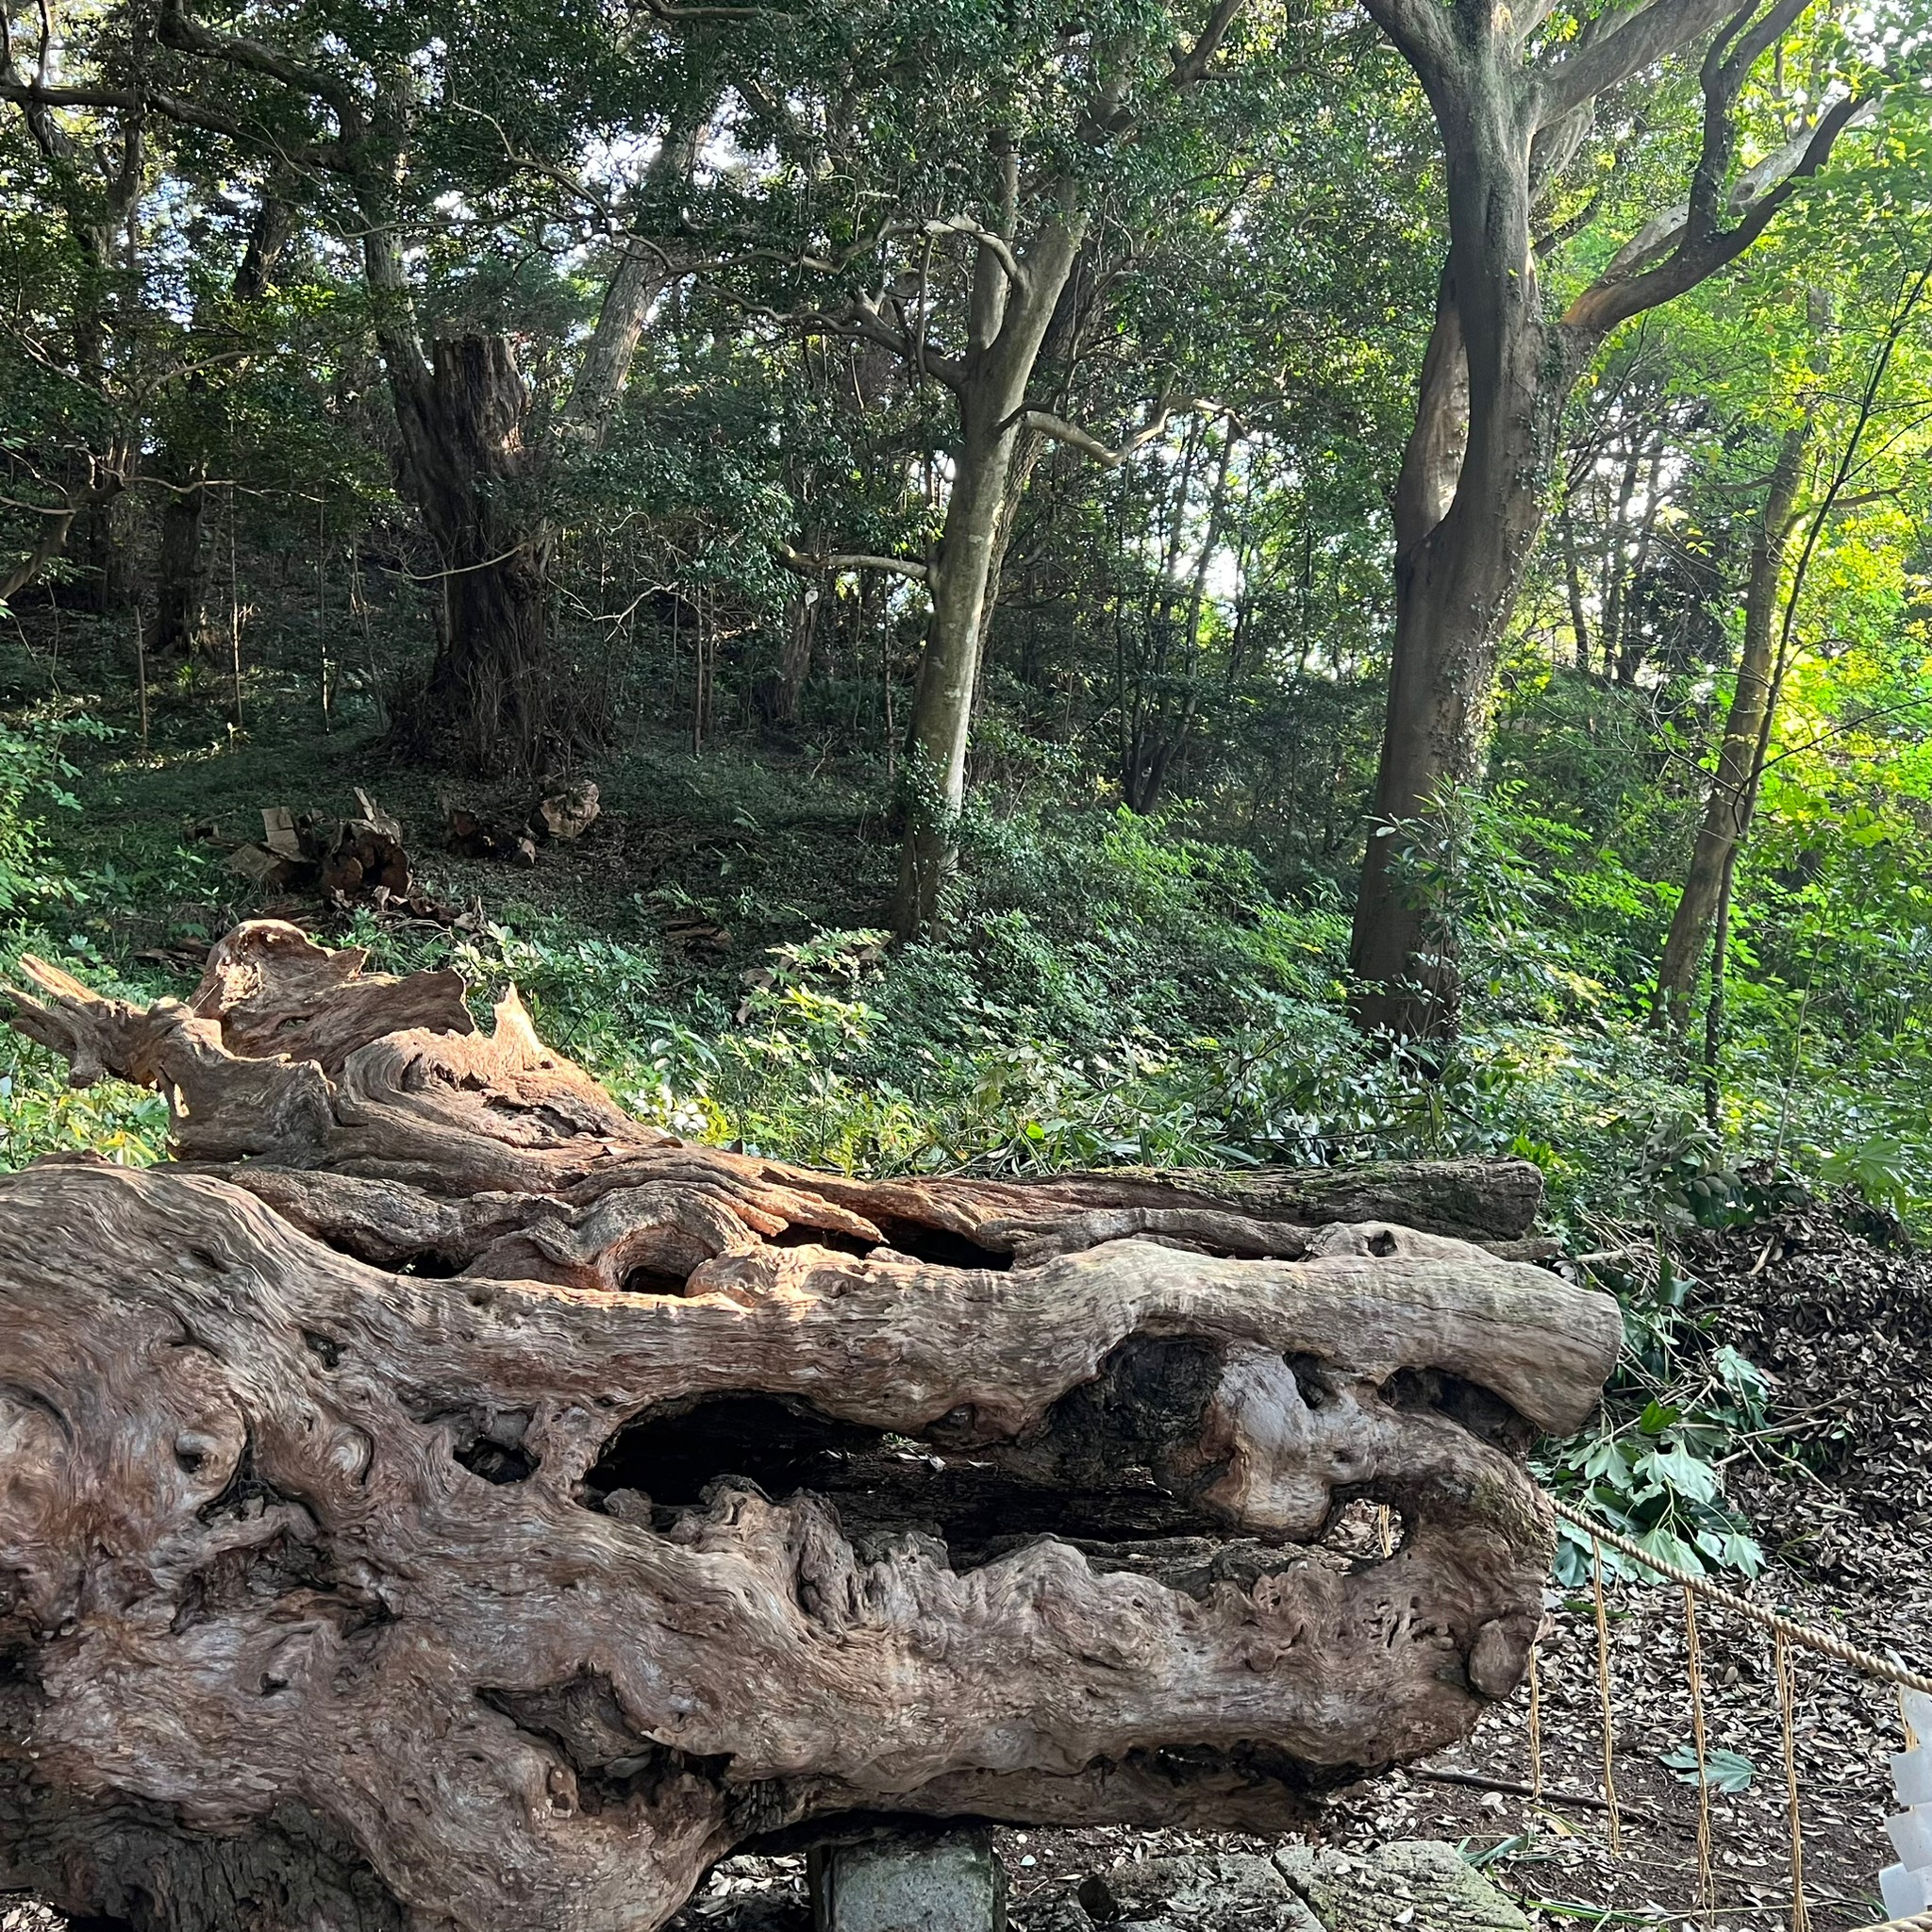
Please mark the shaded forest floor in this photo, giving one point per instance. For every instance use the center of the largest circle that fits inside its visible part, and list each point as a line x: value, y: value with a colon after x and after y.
x: 767, y: 847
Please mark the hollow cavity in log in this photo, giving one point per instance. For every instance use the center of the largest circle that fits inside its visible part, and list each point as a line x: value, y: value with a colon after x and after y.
x: 474, y: 1507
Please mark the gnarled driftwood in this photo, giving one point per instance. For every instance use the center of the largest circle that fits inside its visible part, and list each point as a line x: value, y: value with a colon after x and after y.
x: 437, y: 1500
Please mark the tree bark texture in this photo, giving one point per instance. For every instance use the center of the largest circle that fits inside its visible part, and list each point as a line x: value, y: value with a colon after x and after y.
x: 181, y: 571
x: 471, y: 473
x: 439, y: 1501
x: 643, y: 272
x: 1469, y: 502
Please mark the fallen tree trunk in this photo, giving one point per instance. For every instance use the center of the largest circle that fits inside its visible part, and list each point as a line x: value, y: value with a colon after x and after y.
x: 441, y: 1501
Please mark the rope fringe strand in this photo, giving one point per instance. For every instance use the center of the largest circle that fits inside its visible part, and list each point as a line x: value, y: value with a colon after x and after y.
x: 1603, y: 1685
x: 1707, y: 1883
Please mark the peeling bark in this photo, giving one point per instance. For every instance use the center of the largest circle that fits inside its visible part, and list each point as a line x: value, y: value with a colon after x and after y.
x: 441, y: 1501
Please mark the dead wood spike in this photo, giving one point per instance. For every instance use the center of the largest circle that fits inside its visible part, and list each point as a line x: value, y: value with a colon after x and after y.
x: 439, y: 1501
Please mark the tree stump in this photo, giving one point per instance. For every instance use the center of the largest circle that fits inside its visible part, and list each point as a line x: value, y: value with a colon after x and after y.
x: 437, y: 1500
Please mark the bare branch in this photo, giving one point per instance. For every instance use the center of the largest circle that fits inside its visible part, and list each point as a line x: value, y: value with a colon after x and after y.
x: 1061, y: 430
x: 664, y: 9
x: 575, y: 189
x: 1594, y: 68
x: 995, y: 245
x: 830, y: 565
x: 35, y: 93
x: 860, y: 320
x: 108, y: 478
x: 36, y: 102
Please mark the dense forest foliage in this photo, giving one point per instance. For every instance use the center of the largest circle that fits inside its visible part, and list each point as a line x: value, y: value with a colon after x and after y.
x: 1344, y: 582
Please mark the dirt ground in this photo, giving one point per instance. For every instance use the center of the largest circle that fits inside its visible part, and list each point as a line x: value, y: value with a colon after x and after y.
x: 1845, y: 1329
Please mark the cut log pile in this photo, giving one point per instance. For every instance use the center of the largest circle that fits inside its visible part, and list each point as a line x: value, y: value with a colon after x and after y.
x: 559, y: 813
x: 439, y: 1500
x: 358, y: 860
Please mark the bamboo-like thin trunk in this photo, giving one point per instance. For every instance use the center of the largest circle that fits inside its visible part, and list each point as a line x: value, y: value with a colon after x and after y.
x: 1727, y: 808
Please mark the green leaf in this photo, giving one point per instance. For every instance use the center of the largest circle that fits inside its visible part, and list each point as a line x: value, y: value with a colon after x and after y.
x: 1679, y: 1469
x: 1724, y: 1770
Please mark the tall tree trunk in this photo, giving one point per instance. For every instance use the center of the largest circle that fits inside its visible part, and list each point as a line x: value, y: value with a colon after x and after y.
x: 949, y: 667
x: 644, y: 270
x: 462, y: 413
x: 1025, y: 459
x: 1510, y: 120
x: 97, y: 546
x: 1573, y: 584
x: 638, y: 279
x: 468, y: 467
x: 1164, y: 739
x: 180, y: 570
x: 1630, y: 639
x: 463, y: 461
x: 1733, y: 790
x: 1468, y: 503
x: 794, y: 656
x: 1009, y: 325
x: 1615, y: 564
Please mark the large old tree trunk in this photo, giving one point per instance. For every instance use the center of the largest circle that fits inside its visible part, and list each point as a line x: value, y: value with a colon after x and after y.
x: 439, y: 1501
x: 181, y: 568
x: 467, y: 463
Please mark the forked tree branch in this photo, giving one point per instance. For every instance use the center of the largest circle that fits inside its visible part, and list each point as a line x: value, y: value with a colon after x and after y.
x: 1601, y: 64
x: 1061, y: 430
x: 1727, y: 63
x: 1622, y: 292
x: 180, y: 30
x: 1421, y: 33
x: 108, y: 478
x: 1191, y: 66
x: 993, y: 245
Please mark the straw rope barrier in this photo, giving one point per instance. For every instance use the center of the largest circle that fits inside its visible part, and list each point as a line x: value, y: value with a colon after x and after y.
x: 1787, y: 1635
x: 1804, y: 1636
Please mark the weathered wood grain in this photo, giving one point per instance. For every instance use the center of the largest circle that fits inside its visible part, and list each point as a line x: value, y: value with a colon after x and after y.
x: 443, y: 1502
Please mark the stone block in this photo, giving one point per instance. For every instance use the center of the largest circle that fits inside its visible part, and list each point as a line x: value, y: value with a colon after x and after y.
x: 952, y: 1882
x: 1420, y: 1885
